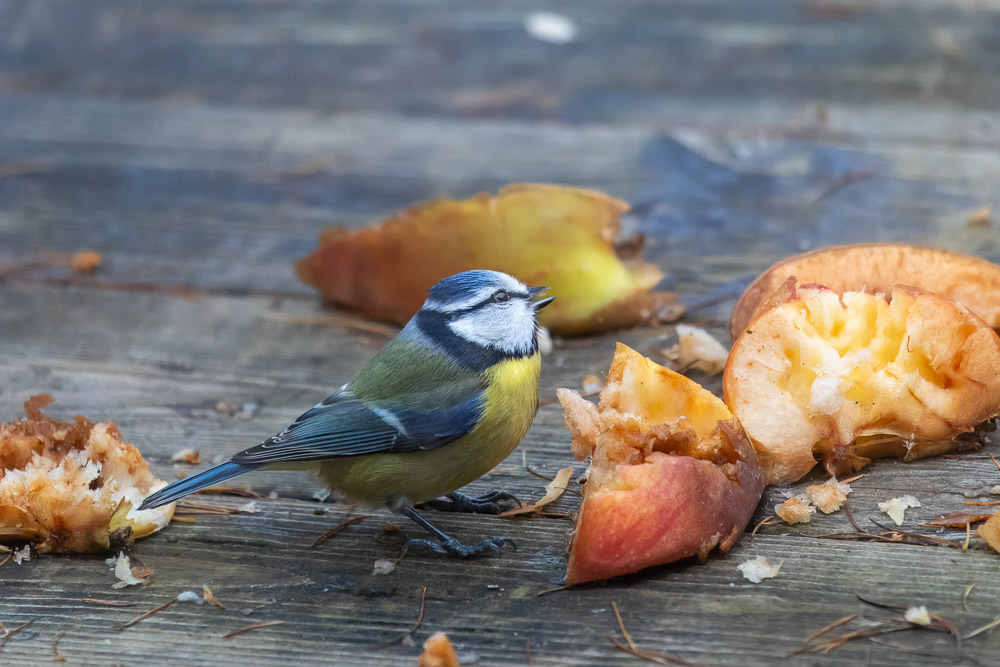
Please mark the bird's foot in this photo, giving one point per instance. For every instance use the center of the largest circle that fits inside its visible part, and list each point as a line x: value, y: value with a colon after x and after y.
x: 452, y: 547
x: 489, y: 503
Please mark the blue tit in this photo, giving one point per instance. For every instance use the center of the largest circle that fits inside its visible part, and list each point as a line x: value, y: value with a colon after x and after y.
x: 441, y: 405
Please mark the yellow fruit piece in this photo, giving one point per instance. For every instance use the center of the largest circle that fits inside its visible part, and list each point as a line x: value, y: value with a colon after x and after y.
x: 542, y: 234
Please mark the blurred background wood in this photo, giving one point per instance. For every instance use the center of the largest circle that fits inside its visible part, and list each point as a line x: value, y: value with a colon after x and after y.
x: 203, y: 145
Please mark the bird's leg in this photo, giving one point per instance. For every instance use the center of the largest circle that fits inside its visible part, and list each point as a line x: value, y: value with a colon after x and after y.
x: 488, y: 503
x: 445, y: 544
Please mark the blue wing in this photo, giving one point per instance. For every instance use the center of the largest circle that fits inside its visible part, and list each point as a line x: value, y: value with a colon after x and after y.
x: 344, y: 426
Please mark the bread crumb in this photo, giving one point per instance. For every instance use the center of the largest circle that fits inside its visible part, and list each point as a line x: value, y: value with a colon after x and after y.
x: 438, y: 652
x: 917, y: 615
x: 829, y: 496
x: 124, y: 572
x: 186, y: 455
x: 760, y: 568
x: 696, y: 348
x: 384, y: 566
x: 22, y: 555
x: 794, y: 510
x: 189, y: 596
x: 895, y: 507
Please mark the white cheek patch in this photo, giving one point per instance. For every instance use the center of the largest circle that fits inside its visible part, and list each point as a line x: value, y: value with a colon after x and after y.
x: 510, y: 327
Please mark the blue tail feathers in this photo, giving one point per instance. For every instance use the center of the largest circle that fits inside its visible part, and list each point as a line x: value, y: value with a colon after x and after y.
x: 205, y: 478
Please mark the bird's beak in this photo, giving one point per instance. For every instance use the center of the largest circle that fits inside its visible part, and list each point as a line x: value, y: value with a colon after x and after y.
x: 541, y: 303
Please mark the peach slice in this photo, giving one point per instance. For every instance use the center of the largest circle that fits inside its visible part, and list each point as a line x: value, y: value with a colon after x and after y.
x: 878, y: 267
x: 565, y: 238
x: 848, y: 378
x: 671, y: 474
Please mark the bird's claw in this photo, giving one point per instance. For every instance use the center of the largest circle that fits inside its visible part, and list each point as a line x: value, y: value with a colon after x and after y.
x: 488, y: 503
x: 452, y: 547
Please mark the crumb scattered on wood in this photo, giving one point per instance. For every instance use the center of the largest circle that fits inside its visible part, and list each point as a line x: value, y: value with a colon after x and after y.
x: 918, y: 615
x: 383, y: 566
x: 186, y: 455
x: 895, y: 507
x: 795, y: 510
x: 981, y: 216
x: 760, y: 568
x: 336, y: 529
x: 126, y: 574
x: 695, y: 348
x: 250, y: 628
x: 829, y: 496
x: 592, y: 384
x: 438, y: 652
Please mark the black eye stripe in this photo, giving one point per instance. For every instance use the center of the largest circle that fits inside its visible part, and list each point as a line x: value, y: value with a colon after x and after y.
x: 485, y: 302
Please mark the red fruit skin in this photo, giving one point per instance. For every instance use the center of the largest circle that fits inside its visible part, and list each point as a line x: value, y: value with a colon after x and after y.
x: 668, y: 508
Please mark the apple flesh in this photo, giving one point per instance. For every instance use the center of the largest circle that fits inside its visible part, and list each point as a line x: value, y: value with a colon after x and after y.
x: 848, y: 378
x: 878, y: 267
x: 671, y: 474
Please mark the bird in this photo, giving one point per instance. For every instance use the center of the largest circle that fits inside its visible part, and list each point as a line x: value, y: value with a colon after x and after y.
x: 439, y: 406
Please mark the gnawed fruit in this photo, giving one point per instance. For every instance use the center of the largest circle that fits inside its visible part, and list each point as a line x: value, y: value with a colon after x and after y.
x: 70, y: 487
x: 846, y: 379
x: 879, y: 267
x: 565, y: 238
x: 671, y: 474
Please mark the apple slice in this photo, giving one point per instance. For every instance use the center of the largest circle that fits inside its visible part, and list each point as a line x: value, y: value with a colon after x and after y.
x: 848, y: 378
x: 878, y: 267
x: 671, y: 474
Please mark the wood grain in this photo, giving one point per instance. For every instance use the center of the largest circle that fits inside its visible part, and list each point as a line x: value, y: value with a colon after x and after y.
x: 204, y: 145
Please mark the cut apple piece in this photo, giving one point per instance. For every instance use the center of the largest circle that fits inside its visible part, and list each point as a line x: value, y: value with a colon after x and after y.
x: 671, y: 474
x: 879, y: 267
x: 848, y: 378
x: 565, y: 238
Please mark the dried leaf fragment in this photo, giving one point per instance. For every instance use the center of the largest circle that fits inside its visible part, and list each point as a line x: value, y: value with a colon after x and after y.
x: 760, y: 568
x: 696, y: 348
x: 990, y: 531
x: 959, y: 519
x: 553, y: 490
x: 795, y: 510
x: 895, y: 507
x: 210, y: 597
x: 829, y: 496
x: 438, y: 652
x: 542, y: 234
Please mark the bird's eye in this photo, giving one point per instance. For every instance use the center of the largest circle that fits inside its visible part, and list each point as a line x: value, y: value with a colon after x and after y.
x: 501, y: 296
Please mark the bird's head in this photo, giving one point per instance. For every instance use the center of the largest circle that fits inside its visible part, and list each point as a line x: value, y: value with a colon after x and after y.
x: 487, y: 309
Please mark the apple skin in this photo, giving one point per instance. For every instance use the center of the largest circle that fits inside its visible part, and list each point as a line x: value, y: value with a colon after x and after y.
x: 879, y: 267
x: 668, y: 508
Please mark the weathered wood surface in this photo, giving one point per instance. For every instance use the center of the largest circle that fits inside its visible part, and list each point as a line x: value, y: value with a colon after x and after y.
x: 204, y: 145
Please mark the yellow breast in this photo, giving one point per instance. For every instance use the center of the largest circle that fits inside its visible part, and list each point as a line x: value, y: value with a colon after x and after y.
x: 511, y: 403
